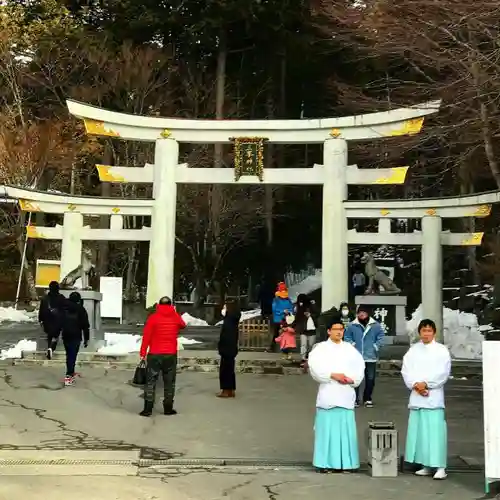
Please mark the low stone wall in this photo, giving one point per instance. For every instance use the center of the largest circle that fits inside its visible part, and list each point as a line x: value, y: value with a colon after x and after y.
x: 208, y: 362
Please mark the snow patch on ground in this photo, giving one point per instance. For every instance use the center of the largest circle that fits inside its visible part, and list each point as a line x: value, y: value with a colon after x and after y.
x: 245, y: 315
x: 192, y: 321
x: 462, y: 333
x: 125, y: 343
x: 17, y: 315
x: 16, y: 352
x: 116, y: 344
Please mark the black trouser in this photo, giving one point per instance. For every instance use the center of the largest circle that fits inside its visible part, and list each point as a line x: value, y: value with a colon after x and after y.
x: 275, y: 331
x: 52, y: 338
x: 71, y: 347
x: 166, y: 364
x: 370, y: 374
x: 227, y: 376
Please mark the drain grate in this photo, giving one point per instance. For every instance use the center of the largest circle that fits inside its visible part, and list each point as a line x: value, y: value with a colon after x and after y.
x: 64, y: 461
x: 150, y: 459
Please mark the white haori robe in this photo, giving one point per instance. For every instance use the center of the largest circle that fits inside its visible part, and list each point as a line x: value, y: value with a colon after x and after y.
x: 335, y: 433
x: 429, y: 363
x: 426, y: 440
x: 328, y: 357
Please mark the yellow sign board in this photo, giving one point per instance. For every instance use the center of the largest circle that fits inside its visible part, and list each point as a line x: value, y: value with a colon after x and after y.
x: 47, y: 271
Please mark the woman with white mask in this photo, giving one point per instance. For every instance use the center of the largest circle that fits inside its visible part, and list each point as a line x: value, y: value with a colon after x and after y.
x: 228, y: 349
x: 346, y: 314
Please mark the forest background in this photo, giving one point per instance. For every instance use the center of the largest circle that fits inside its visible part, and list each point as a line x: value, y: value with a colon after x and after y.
x: 245, y: 59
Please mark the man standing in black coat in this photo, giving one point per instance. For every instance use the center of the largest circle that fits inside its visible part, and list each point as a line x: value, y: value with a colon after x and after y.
x: 228, y: 350
x: 50, y: 316
x: 75, y: 328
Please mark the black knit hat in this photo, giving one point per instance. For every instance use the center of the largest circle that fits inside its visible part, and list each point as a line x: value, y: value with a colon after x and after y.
x: 363, y: 308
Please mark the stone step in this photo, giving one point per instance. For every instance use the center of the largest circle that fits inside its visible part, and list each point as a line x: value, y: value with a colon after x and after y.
x: 208, y: 361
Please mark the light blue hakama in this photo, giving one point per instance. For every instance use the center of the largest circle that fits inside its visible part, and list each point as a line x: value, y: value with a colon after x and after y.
x: 427, y: 438
x: 335, y: 439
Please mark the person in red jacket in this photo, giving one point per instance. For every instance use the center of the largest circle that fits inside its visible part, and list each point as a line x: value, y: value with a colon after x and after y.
x: 159, y: 349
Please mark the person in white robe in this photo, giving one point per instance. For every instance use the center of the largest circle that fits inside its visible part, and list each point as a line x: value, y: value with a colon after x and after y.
x: 338, y: 368
x: 426, y: 369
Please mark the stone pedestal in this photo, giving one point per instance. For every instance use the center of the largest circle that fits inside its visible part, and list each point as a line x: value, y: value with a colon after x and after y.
x: 92, y: 304
x: 395, y: 319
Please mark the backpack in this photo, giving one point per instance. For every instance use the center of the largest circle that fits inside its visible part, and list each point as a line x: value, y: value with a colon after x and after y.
x: 54, y: 312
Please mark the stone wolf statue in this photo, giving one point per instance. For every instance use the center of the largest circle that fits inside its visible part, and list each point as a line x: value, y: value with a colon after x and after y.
x: 375, y: 275
x: 85, y: 271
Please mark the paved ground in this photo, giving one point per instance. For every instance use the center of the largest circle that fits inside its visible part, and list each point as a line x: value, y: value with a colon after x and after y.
x: 238, y: 485
x: 271, y: 418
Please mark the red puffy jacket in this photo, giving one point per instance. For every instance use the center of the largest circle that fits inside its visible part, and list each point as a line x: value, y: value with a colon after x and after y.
x: 161, y: 331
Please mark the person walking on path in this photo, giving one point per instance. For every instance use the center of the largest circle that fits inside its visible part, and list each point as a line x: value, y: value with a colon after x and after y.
x: 75, y: 328
x: 305, y: 325
x: 426, y: 369
x: 159, y: 349
x: 307, y: 336
x: 367, y: 336
x: 228, y: 349
x: 282, y: 305
x: 338, y: 368
x: 50, y: 316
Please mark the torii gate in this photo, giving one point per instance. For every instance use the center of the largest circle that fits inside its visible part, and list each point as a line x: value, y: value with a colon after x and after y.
x: 334, y: 133
x: 334, y: 175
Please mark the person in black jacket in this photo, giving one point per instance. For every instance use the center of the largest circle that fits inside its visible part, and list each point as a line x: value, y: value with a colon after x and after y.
x: 75, y: 325
x: 228, y: 350
x: 50, y: 316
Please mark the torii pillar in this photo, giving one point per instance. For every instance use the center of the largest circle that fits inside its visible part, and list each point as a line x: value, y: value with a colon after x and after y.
x: 335, y: 271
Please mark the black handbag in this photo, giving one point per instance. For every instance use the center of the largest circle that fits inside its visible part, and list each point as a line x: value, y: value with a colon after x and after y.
x: 140, y: 374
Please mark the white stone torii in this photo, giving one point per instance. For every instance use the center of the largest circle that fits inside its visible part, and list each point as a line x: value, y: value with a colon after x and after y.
x: 334, y: 175
x: 333, y: 132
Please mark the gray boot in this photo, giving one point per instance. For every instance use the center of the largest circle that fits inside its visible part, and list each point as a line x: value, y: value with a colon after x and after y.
x: 148, y: 409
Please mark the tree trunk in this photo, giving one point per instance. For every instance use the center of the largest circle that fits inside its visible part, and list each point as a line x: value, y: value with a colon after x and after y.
x: 215, y: 198
x: 199, y: 294
x: 469, y: 223
x: 131, y: 271
x: 282, y: 105
x: 268, y: 163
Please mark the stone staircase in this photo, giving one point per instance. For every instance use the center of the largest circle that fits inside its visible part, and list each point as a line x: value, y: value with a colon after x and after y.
x: 208, y: 361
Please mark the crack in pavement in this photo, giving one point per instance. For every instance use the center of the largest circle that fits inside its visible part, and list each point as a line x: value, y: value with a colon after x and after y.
x: 180, y: 472
x: 232, y: 489
x: 269, y: 489
x: 77, y: 439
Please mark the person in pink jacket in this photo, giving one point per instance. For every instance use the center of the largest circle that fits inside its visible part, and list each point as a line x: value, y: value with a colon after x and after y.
x: 286, y: 338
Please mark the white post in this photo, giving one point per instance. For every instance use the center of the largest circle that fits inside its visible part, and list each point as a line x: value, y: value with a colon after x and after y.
x: 162, y: 245
x: 432, y: 272
x: 71, y: 248
x: 23, y: 260
x: 335, y: 271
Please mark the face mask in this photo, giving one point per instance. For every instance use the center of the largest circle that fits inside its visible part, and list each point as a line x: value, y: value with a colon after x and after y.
x: 345, y: 312
x: 289, y: 319
x: 223, y: 312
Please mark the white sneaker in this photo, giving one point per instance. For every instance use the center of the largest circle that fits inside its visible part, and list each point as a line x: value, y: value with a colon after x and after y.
x: 424, y: 472
x: 68, y: 381
x: 440, y: 474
